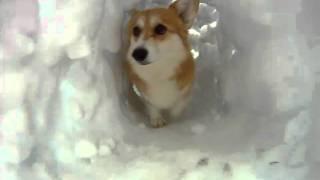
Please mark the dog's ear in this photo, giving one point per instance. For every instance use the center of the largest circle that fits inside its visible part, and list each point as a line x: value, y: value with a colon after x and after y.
x: 187, y: 10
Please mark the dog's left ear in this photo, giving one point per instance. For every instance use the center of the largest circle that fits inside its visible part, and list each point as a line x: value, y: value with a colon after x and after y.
x: 187, y: 10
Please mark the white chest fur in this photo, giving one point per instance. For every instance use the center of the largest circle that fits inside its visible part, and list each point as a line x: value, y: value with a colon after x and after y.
x: 162, y: 91
x: 163, y: 94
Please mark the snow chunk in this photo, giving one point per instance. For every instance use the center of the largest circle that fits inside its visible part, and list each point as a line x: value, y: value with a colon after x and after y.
x: 111, y: 143
x: 195, y: 53
x: 10, y: 154
x: 106, y: 147
x: 204, y: 29
x: 13, y: 86
x: 14, y: 122
x: 79, y: 49
x: 85, y: 149
x: 213, y: 25
x: 65, y: 154
x: 104, y: 150
x: 25, y: 45
x: 9, y: 174
x: 194, y: 34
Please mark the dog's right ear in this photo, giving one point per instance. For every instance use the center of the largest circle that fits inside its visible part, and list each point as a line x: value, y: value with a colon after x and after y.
x: 187, y: 10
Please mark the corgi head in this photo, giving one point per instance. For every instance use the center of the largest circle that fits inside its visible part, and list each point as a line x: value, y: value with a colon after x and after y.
x: 161, y: 34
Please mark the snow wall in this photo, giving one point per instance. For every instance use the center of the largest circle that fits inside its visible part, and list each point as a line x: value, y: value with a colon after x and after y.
x: 63, y: 104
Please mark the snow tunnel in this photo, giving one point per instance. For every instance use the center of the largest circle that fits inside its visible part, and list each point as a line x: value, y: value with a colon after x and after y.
x: 64, y: 106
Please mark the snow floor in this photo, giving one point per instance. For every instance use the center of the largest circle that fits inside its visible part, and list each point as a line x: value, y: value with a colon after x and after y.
x: 64, y: 111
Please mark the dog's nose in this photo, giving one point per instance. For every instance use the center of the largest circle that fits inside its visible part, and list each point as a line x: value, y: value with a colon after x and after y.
x: 140, y: 54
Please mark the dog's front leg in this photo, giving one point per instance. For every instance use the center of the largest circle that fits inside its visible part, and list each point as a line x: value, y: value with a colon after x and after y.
x: 156, y: 118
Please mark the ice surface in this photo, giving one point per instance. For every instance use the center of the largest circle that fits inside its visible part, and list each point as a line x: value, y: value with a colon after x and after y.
x: 111, y: 24
x: 63, y: 103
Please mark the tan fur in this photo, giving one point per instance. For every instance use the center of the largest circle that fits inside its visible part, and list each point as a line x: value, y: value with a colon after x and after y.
x: 167, y: 16
x: 179, y: 75
x: 194, y: 10
x: 185, y: 73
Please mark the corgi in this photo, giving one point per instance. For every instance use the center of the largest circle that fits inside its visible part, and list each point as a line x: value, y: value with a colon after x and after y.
x: 159, y: 62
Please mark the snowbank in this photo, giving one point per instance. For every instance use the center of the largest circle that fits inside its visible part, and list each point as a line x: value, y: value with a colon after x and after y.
x: 64, y: 113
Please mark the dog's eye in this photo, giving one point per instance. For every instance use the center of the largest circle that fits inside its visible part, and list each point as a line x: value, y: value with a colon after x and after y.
x: 160, y: 29
x: 136, y: 31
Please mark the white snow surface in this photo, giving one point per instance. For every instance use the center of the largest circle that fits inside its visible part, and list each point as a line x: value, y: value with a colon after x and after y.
x: 63, y: 106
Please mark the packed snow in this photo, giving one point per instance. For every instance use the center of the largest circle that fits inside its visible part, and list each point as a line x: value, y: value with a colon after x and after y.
x: 64, y: 110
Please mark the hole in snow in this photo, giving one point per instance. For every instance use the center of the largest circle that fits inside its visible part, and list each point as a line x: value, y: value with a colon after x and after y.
x: 227, y: 168
x: 274, y: 162
x: 203, y: 162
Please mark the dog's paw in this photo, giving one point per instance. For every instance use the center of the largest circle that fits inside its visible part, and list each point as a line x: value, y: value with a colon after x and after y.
x: 158, y: 123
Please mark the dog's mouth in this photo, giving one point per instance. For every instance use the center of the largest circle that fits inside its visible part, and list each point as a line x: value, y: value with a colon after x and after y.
x: 144, y: 63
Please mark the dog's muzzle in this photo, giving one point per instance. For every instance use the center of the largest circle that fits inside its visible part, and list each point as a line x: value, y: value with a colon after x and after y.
x: 140, y: 54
